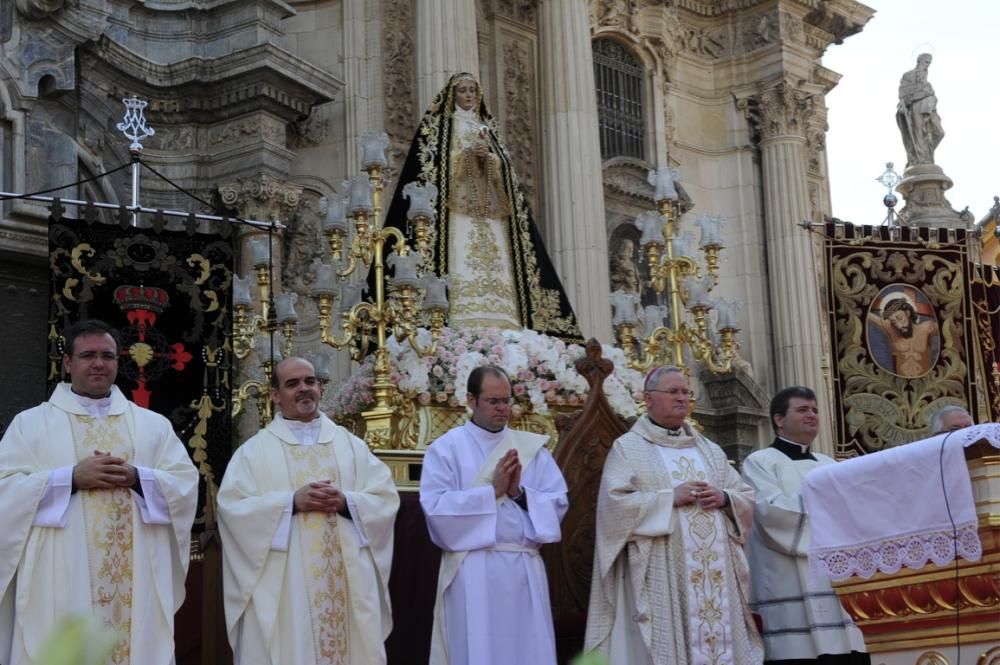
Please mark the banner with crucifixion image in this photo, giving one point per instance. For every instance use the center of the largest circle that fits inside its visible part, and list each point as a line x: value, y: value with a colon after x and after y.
x: 168, y: 294
x: 904, y: 338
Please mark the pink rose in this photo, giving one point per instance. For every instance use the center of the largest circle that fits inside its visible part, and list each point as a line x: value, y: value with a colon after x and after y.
x: 424, y: 398
x: 574, y: 399
x: 452, y: 401
x: 438, y: 371
x: 519, y: 389
x: 440, y: 396
x: 449, y: 387
x: 544, y: 385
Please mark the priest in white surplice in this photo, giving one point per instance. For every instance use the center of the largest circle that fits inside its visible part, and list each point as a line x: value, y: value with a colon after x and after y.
x: 670, y: 577
x: 803, y: 620
x: 306, y: 516
x: 98, y: 499
x: 492, y: 496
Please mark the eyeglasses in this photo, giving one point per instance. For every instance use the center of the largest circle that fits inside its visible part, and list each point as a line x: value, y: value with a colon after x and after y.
x: 676, y: 392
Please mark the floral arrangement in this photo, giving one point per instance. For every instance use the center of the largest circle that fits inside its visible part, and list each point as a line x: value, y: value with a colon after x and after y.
x: 540, y: 367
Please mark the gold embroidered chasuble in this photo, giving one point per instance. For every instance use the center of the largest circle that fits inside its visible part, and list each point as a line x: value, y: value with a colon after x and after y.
x: 107, y: 515
x: 480, y: 266
x: 670, y: 584
x: 319, y: 541
x: 106, y: 560
x: 325, y: 598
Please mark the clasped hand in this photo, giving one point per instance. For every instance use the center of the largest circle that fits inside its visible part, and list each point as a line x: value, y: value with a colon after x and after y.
x: 102, y: 472
x: 507, y: 476
x: 320, y: 496
x: 700, y: 492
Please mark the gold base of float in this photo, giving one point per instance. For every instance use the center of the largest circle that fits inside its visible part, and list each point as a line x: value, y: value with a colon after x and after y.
x: 399, y: 436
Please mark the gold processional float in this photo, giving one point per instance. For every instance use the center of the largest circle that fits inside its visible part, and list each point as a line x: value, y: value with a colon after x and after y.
x: 409, y: 308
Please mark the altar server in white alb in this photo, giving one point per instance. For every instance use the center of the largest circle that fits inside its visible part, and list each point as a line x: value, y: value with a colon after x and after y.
x: 492, y: 496
x: 306, y: 515
x: 802, y: 617
x: 98, y: 499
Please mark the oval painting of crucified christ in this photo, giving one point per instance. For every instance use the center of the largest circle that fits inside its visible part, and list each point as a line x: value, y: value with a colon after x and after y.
x: 903, y: 333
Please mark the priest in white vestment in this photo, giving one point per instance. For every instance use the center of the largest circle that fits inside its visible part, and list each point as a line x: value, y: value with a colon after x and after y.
x: 99, y: 496
x: 670, y: 576
x: 803, y: 620
x: 306, y: 515
x: 492, y: 497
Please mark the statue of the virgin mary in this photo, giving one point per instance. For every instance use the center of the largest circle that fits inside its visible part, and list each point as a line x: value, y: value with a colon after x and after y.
x: 485, y: 241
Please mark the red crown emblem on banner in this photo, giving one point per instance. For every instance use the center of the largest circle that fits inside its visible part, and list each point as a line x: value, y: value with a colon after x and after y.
x: 149, y: 298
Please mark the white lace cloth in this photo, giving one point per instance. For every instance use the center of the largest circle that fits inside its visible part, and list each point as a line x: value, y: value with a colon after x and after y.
x: 899, y: 507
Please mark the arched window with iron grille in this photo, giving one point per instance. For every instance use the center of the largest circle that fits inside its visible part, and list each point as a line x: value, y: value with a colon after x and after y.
x: 619, y: 81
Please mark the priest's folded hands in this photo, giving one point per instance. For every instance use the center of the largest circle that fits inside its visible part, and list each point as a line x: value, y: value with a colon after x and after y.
x: 319, y: 496
x: 698, y: 491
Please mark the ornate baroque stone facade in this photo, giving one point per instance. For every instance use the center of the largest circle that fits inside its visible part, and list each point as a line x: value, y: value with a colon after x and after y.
x: 256, y: 103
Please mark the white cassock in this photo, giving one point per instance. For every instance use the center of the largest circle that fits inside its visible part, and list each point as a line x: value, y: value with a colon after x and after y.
x: 800, y: 612
x: 306, y: 588
x: 492, y: 604
x: 113, y: 554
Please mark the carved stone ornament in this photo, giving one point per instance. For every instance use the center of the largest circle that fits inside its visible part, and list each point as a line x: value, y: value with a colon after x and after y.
x: 302, y: 245
x: 618, y: 14
x: 783, y: 110
x: 248, y: 131
x: 261, y: 197
x: 36, y: 9
x: 711, y: 43
x: 523, y: 11
x: 518, y: 86
x: 312, y: 131
x: 758, y: 31
x: 398, y: 28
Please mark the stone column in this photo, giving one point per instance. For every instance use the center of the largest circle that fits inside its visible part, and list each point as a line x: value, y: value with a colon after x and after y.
x: 573, y: 191
x: 362, y: 75
x: 781, y: 114
x: 446, y: 44
x: 260, y: 198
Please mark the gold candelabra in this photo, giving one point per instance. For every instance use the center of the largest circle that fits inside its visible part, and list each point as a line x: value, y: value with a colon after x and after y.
x: 400, y: 305
x: 675, y: 272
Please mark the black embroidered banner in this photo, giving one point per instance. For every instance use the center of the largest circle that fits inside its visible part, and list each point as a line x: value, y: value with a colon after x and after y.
x: 902, y: 331
x: 168, y: 294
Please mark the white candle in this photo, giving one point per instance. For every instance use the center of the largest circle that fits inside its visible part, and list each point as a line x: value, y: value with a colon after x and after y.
x: 373, y: 145
x: 241, y: 291
x: 651, y: 224
x: 260, y: 251
x: 422, y: 198
x: 334, y: 210
x: 662, y: 179
x: 284, y: 307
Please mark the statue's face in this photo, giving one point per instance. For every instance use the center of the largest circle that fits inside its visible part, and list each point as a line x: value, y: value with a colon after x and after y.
x: 466, y: 94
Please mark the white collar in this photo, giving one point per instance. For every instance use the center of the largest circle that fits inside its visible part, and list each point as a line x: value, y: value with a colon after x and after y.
x: 96, y: 407
x: 484, y: 436
x: 307, y: 432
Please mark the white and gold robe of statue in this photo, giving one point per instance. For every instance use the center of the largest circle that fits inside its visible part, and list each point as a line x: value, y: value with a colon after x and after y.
x: 306, y: 588
x: 480, y: 265
x: 670, y: 583
x: 113, y: 554
x: 801, y: 614
x: 492, y: 604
